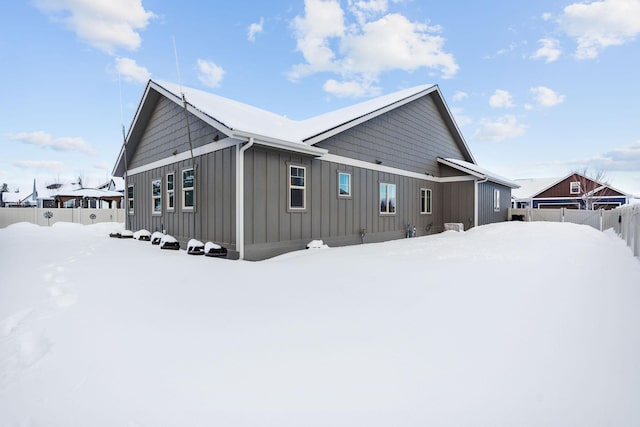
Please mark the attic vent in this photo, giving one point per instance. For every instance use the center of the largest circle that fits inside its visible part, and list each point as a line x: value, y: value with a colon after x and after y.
x: 54, y: 186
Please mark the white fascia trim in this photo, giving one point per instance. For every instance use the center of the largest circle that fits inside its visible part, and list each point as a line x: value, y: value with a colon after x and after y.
x: 387, y: 169
x: 341, y: 128
x: 186, y: 155
x: 578, y: 198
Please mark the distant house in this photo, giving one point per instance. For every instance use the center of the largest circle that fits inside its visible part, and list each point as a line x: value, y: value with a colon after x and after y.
x: 574, y: 191
x: 206, y: 167
x: 63, y: 195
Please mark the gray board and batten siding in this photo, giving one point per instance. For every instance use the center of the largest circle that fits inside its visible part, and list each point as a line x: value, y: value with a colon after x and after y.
x: 400, y: 146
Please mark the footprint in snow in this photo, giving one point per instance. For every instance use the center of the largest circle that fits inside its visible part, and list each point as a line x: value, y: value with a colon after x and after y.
x: 62, y: 297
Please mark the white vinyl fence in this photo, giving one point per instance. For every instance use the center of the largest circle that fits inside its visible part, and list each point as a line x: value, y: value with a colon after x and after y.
x: 49, y: 216
x: 625, y: 220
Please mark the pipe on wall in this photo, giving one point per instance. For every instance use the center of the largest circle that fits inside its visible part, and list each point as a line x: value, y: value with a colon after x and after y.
x: 240, y: 196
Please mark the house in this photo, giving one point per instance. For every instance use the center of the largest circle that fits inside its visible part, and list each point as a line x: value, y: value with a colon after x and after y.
x: 574, y: 191
x: 201, y: 166
x: 62, y: 195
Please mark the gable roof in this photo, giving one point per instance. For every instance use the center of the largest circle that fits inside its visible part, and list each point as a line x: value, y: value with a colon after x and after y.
x: 477, y: 171
x: 530, y: 188
x: 243, y: 121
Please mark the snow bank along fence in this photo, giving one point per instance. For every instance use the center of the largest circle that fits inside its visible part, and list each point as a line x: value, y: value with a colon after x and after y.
x: 49, y: 216
x: 625, y: 220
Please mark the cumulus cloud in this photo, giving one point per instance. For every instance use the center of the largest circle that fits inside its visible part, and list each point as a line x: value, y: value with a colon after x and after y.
x: 600, y: 24
x: 40, y: 165
x: 43, y: 139
x: 549, y: 51
x: 501, y: 99
x: 210, y: 74
x: 352, y: 89
x: 255, y: 28
x: 461, y: 118
x: 131, y: 71
x: 497, y: 130
x: 625, y: 158
x: 546, y: 97
x: 459, y: 95
x: 359, y: 50
x: 104, y: 24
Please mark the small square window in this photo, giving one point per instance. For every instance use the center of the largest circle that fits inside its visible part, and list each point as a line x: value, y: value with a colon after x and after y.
x: 574, y: 187
x: 344, y: 184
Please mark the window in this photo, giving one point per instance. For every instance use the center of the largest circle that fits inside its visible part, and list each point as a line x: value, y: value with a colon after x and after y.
x: 130, y: 198
x: 574, y: 187
x: 344, y: 184
x: 297, y: 187
x: 425, y: 201
x: 387, y: 198
x: 496, y: 200
x: 188, y: 186
x: 156, y: 196
x: 170, y: 191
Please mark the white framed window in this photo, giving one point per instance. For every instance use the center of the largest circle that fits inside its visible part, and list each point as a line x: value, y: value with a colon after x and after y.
x: 297, y: 187
x: 425, y: 200
x: 188, y: 189
x: 496, y: 200
x: 130, y: 198
x: 344, y: 184
x: 156, y: 196
x: 387, y: 198
x: 170, y: 191
x: 574, y: 187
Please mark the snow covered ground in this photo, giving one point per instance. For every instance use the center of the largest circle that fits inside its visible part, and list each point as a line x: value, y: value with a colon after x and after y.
x: 515, y: 324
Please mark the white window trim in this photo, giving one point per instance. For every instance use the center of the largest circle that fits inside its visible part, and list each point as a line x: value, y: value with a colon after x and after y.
x: 348, y: 195
x: 387, y: 184
x: 184, y: 190
x: 130, y: 200
x: 496, y: 200
x: 153, y: 198
x: 428, y: 207
x: 571, y: 187
x: 298, y: 187
x: 171, y: 192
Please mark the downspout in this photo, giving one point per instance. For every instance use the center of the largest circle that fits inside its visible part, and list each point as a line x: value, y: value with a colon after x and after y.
x: 240, y: 196
x: 475, y: 200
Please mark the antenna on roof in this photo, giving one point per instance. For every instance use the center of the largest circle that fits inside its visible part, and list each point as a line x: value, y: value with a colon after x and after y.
x: 124, y: 148
x: 186, y: 117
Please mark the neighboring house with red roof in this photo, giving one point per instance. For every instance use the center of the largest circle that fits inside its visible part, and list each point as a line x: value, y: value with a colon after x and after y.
x: 574, y: 191
x: 201, y: 166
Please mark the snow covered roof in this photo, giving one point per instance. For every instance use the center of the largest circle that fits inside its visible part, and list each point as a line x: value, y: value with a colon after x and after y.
x: 531, y: 186
x: 478, y: 171
x: 238, y: 120
x: 243, y: 118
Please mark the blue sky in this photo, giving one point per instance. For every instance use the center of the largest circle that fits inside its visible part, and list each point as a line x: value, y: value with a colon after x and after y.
x: 538, y: 88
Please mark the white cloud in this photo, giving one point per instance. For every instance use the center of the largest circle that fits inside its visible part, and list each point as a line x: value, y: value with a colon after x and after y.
x: 104, y: 24
x: 497, y: 130
x: 210, y: 73
x: 459, y: 95
x: 626, y: 158
x: 43, y: 139
x: 598, y: 25
x: 461, y: 118
x: 131, y: 71
x: 546, y: 97
x: 549, y: 51
x: 353, y: 89
x: 40, y: 165
x: 501, y: 99
x: 360, y: 51
x: 255, y: 28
